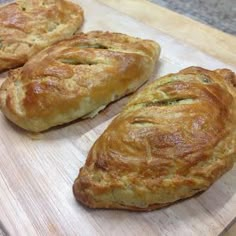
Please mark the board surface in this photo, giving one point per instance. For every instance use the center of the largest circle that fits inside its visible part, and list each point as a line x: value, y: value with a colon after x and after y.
x: 37, y: 171
x: 210, y: 40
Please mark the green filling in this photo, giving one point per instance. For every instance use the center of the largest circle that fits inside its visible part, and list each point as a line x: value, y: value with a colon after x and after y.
x: 169, y: 102
x: 98, y: 46
x: 74, y: 61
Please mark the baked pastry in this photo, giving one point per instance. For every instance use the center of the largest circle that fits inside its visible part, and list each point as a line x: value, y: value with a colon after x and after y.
x: 171, y: 141
x: 76, y: 78
x: 28, y: 26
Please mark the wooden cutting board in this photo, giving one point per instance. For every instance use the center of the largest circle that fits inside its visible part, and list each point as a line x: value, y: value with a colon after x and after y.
x: 37, y: 171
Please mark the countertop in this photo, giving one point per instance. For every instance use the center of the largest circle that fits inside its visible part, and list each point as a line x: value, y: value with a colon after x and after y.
x: 220, y: 14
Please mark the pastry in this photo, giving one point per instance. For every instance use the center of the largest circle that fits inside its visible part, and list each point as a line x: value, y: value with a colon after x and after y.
x: 76, y: 78
x: 28, y: 26
x: 171, y: 141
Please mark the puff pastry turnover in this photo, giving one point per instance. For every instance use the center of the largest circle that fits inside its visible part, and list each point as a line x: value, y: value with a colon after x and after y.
x: 28, y: 26
x: 76, y: 78
x: 171, y: 141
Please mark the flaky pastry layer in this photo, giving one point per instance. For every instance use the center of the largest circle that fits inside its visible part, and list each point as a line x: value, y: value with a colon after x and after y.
x: 28, y: 26
x: 76, y: 78
x: 171, y: 141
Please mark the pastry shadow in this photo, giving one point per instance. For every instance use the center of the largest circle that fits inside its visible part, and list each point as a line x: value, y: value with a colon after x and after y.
x: 75, y: 128
x: 79, y: 127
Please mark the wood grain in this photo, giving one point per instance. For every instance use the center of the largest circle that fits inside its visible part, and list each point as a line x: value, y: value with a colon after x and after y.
x: 211, y: 41
x: 37, y: 171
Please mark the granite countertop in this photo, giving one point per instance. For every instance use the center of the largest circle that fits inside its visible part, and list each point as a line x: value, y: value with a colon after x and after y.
x: 220, y: 14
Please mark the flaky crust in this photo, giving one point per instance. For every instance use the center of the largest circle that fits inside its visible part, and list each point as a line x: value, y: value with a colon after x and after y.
x: 28, y: 26
x: 171, y: 141
x: 76, y: 78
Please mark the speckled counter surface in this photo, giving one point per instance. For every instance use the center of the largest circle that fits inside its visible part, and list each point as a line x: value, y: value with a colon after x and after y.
x: 220, y: 14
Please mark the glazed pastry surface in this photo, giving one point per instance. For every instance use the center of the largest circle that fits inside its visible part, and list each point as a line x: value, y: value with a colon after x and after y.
x: 172, y: 140
x: 28, y: 26
x: 76, y: 78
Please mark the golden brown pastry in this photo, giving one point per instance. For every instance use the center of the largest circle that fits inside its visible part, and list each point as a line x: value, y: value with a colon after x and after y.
x: 171, y: 141
x: 76, y: 78
x: 28, y: 26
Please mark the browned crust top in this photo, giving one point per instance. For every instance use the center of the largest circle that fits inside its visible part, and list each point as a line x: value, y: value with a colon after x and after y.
x: 94, y: 69
x: 172, y: 140
x: 28, y: 26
